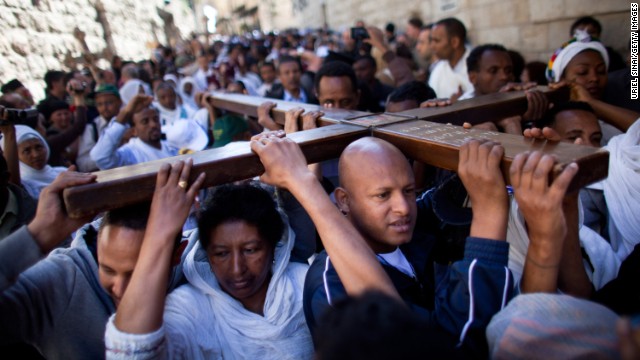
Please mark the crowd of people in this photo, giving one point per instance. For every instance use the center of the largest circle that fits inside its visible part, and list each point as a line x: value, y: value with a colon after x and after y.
x: 373, y: 255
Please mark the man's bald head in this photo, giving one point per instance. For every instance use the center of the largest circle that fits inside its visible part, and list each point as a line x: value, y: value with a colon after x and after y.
x: 377, y: 193
x: 367, y: 152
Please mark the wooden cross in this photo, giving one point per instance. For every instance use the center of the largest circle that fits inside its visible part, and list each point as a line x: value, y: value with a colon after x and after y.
x: 429, y: 135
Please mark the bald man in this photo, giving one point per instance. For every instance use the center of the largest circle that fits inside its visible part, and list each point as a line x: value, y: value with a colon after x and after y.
x: 377, y: 196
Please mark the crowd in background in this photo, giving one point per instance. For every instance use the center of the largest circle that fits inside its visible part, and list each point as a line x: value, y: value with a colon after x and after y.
x: 372, y: 255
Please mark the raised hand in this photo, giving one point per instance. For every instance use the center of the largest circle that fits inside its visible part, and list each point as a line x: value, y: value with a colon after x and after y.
x: 537, y: 105
x: 435, y: 103
x: 291, y: 118
x: 51, y: 225
x: 479, y: 170
x: 541, y: 205
x: 172, y: 198
x: 545, y: 133
x: 264, y: 116
x: 282, y: 159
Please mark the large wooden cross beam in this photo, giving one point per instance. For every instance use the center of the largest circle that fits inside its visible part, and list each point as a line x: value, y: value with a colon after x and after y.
x: 429, y: 135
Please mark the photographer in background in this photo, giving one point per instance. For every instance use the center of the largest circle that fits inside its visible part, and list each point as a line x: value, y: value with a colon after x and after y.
x: 65, y: 124
x: 17, y: 208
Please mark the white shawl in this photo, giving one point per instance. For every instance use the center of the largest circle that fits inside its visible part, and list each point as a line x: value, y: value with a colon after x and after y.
x: 168, y: 116
x: 201, y: 321
x: 235, y: 333
x: 189, y: 100
x: 604, y: 261
x: 144, y: 152
x: 622, y: 190
x: 35, y: 180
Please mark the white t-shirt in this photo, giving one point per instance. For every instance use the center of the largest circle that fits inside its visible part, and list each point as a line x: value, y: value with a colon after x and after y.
x: 446, y: 81
x: 399, y: 261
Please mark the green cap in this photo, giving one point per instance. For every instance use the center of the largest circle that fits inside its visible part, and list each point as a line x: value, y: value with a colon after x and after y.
x: 226, y: 128
x: 107, y: 89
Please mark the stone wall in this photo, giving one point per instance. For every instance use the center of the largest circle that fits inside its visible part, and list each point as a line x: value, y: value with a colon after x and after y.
x: 37, y: 35
x: 533, y: 27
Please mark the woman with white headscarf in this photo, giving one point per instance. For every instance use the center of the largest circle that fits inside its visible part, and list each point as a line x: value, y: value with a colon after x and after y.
x: 243, y: 299
x: 582, y: 64
x: 33, y: 154
x: 187, y: 91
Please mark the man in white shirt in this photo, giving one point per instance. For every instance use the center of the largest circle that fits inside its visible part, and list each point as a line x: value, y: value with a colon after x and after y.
x: 449, y: 76
x: 108, y: 103
x: 146, y: 145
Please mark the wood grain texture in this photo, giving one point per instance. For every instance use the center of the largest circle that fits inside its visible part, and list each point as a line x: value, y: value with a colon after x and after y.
x: 439, y: 145
x: 131, y: 184
x: 426, y: 141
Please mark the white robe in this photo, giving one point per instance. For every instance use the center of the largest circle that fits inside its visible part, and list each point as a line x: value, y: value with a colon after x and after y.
x: 201, y: 321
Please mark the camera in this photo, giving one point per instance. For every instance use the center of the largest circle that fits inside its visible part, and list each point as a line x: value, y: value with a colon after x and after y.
x: 359, y: 33
x: 80, y: 90
x: 27, y: 117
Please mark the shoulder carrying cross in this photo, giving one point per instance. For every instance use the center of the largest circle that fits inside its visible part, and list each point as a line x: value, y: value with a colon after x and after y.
x: 429, y: 135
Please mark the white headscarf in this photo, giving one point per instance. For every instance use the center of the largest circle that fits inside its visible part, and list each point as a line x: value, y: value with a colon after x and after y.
x: 603, y: 259
x: 32, y: 179
x: 281, y: 333
x: 622, y: 190
x: 131, y: 88
x: 171, y: 78
x: 561, y: 58
x: 189, y: 100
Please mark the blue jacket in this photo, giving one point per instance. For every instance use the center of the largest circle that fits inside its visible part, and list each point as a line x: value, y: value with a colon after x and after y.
x: 458, y: 299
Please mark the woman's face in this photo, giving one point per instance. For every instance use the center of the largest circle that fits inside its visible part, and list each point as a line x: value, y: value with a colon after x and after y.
x: 187, y: 88
x: 241, y: 260
x: 167, y: 98
x: 589, y: 70
x: 33, y: 153
x: 61, y: 119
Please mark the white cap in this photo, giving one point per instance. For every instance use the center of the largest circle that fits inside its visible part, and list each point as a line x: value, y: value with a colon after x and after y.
x: 186, y: 134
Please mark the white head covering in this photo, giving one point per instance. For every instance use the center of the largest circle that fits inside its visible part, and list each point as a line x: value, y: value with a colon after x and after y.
x: 131, y: 88
x: 189, y: 99
x: 622, y: 190
x: 186, y: 134
x: 34, y: 180
x: 281, y: 333
x: 561, y: 58
x: 171, y: 77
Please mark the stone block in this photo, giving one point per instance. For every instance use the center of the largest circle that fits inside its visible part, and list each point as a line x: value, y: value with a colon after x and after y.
x: 25, y: 20
x: 55, y: 22
x: 616, y: 31
x: 508, y: 36
x: 497, y: 14
x: 558, y: 33
x: 52, y: 63
x: 19, y: 65
x: 545, y: 10
x: 577, y: 8
x: 40, y: 21
x: 8, y: 19
x: 534, y: 37
x: 41, y: 44
x: 18, y: 4
x: 36, y: 64
x: 19, y: 42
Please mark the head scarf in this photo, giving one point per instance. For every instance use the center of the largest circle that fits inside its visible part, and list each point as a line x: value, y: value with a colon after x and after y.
x: 34, y: 180
x: 189, y: 99
x: 239, y: 333
x: 561, y: 57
